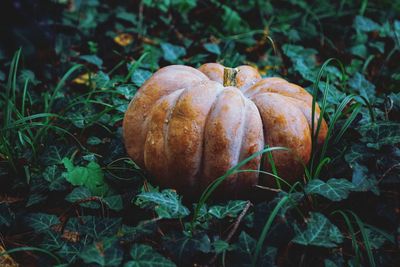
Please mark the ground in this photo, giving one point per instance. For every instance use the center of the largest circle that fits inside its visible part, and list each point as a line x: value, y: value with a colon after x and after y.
x: 70, y: 195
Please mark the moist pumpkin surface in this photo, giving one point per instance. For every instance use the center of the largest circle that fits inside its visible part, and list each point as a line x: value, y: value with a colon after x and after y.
x: 187, y: 129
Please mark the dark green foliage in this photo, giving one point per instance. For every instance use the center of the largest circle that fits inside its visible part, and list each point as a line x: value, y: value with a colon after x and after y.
x: 69, y: 194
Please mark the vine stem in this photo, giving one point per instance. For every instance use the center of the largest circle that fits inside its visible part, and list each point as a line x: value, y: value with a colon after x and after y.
x: 234, y: 229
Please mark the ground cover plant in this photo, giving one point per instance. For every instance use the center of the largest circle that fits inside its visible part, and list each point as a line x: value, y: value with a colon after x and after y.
x: 70, y: 195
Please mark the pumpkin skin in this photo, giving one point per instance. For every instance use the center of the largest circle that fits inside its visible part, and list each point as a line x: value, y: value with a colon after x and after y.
x: 186, y: 129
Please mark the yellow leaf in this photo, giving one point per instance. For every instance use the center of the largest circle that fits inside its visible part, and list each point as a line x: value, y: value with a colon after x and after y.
x: 6, y: 259
x: 82, y: 79
x: 123, y: 39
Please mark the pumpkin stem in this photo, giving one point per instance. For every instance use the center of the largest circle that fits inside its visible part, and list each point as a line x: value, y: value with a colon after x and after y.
x: 230, y: 76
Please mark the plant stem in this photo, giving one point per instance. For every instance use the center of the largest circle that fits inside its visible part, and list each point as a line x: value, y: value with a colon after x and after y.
x: 230, y: 76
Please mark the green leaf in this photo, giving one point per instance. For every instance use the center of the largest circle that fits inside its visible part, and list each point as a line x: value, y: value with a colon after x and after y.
x: 303, y: 59
x: 139, y: 76
x: 146, y: 256
x: 54, y: 155
x: 244, y: 250
x: 363, y: 87
x: 93, y: 140
x: 380, y: 46
x: 35, y: 198
x: 358, y: 153
x: 92, y: 59
x: 6, y: 215
x: 101, y: 80
x: 129, y: 17
x: 212, y: 48
x: 167, y: 203
x: 363, y: 180
x: 395, y: 99
x: 53, y: 175
x: 232, y: 22
x: 333, y: 189
x: 106, y: 252
x: 231, y: 209
x: 221, y: 246
x: 95, y: 227
x: 320, y: 232
x: 90, y: 176
x: 172, y: 53
x: 246, y: 245
x: 114, y: 202
x: 329, y: 263
x: 81, y: 193
x: 127, y: 90
x: 52, y: 241
x: 365, y: 24
x: 184, y: 246
x: 70, y: 251
x: 142, y: 229
x: 359, y: 50
x: 380, y: 133
x: 28, y: 75
x: 42, y: 222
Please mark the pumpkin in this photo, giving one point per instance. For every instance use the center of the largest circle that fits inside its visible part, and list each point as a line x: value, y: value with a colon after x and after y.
x: 188, y: 126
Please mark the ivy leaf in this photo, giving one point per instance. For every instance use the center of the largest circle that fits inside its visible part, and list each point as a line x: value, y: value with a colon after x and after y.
x: 93, y: 140
x: 90, y: 176
x: 246, y: 246
x: 92, y: 59
x: 184, y: 246
x: 70, y: 251
x: 131, y: 234
x: 365, y: 24
x: 232, y: 209
x: 172, y: 52
x: 101, y: 80
x: 139, y: 76
x: 221, y: 246
x: 52, y: 241
x: 35, y: 198
x: 359, y: 50
x: 81, y: 193
x: 129, y: 17
x: 329, y: 263
x: 146, y: 256
x: 244, y: 250
x: 363, y: 87
x: 319, y: 232
x: 42, y: 222
x: 54, y: 155
x: 378, y: 237
x: 303, y: 59
x: 127, y: 90
x: 106, y: 252
x: 28, y: 75
x: 6, y: 215
x: 363, y: 181
x: 95, y: 227
x: 53, y: 175
x: 334, y: 189
x: 114, y: 202
x: 358, y: 153
x: 167, y: 203
x: 212, y: 48
x: 395, y: 99
x: 232, y: 22
x: 380, y: 133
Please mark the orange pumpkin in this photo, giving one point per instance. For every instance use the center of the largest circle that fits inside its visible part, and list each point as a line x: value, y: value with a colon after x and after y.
x: 188, y: 126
